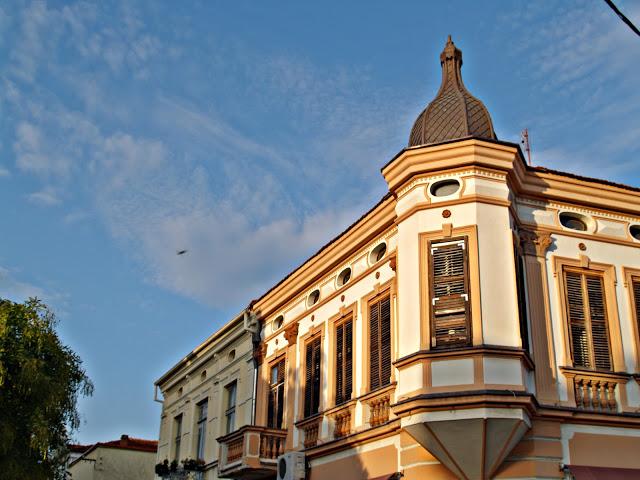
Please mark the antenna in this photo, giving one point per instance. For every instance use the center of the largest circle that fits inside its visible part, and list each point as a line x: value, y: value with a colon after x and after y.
x: 524, y: 140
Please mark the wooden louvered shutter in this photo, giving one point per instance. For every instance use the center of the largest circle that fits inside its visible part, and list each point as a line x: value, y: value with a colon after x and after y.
x: 636, y: 300
x: 380, y: 343
x: 374, y: 346
x: 598, y: 318
x: 586, y: 312
x: 344, y: 361
x: 339, y: 364
x: 385, y: 341
x: 450, y: 320
x: 312, y: 378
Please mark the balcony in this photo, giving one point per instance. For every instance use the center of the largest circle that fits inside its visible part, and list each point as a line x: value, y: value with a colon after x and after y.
x: 250, y: 452
x: 596, y: 391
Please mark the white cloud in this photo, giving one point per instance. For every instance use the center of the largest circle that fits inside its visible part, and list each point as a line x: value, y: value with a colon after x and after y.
x: 35, y: 154
x: 46, y: 198
x: 4, y: 172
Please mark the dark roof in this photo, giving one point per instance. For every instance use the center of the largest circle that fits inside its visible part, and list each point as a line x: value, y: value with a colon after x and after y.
x: 454, y: 113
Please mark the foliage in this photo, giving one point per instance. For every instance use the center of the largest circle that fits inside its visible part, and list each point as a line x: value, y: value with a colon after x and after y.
x: 40, y: 381
x: 172, y: 471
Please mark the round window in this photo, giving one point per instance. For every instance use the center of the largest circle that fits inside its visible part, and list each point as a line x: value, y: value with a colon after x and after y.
x: 634, y: 230
x: 344, y: 277
x: 277, y: 323
x: 203, y: 375
x: 574, y: 221
x: 444, y: 188
x: 377, y: 253
x: 313, y: 298
x: 232, y: 355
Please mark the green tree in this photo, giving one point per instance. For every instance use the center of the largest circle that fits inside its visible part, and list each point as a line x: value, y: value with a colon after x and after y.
x: 40, y: 381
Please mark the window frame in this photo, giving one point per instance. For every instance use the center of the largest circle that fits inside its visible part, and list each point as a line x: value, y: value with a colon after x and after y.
x: 433, y: 244
x: 201, y: 426
x: 583, y: 274
x: 631, y: 276
x: 317, y: 336
x: 379, y: 291
x: 177, y: 435
x: 608, y: 273
x: 282, y: 358
x: 340, y: 324
x: 447, y: 232
x: 230, y: 410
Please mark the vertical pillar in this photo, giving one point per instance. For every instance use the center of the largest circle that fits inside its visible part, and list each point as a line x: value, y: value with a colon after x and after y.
x: 259, y: 353
x: 535, y: 245
x: 291, y: 335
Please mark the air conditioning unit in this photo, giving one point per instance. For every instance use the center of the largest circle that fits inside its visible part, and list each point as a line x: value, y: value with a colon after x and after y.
x: 291, y: 466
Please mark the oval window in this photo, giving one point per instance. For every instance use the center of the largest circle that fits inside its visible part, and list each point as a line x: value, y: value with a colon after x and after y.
x: 377, y: 253
x: 313, y: 298
x: 344, y: 277
x: 444, y: 188
x: 574, y: 221
x: 232, y: 355
x: 634, y: 230
x: 277, y: 323
x: 203, y: 375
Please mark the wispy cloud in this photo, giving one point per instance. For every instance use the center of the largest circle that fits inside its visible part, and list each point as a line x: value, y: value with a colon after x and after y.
x: 4, y: 172
x: 13, y: 289
x: 46, y: 198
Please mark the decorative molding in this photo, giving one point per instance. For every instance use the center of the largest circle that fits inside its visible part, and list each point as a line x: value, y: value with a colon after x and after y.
x: 535, y: 243
x: 291, y: 333
x: 530, y: 202
x: 425, y: 180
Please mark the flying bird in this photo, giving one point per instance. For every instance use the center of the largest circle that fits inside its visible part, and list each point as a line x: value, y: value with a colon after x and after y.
x: 181, y: 252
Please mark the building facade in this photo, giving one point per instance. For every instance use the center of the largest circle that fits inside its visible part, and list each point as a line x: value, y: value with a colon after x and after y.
x: 480, y: 321
x: 207, y: 394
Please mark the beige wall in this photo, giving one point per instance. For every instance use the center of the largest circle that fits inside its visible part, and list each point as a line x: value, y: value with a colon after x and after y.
x: 114, y: 464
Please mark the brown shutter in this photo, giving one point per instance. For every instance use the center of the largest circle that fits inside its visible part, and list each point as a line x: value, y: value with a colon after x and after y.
x: 312, y: 378
x: 344, y: 361
x: 340, y: 364
x: 385, y: 341
x: 374, y: 346
x: 380, y: 343
x: 636, y: 300
x: 450, y: 294
x: 348, y: 360
x: 308, y: 384
x: 598, y: 317
x: 577, y: 320
x: 586, y: 312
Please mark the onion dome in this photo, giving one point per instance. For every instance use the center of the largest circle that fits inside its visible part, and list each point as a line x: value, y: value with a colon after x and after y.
x: 454, y: 113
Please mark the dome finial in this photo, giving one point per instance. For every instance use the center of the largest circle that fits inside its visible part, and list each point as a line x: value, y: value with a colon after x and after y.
x: 454, y: 113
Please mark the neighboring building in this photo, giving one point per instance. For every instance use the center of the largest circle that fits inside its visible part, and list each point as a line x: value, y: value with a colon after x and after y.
x: 480, y: 321
x: 208, y: 393
x: 124, y: 459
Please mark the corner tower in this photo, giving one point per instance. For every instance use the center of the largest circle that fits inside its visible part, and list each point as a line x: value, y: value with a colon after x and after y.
x: 463, y: 383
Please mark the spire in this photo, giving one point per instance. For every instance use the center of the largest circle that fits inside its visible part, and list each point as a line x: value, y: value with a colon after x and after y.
x: 454, y: 113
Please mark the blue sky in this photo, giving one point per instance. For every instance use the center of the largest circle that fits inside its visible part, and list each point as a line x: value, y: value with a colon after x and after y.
x: 250, y: 133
